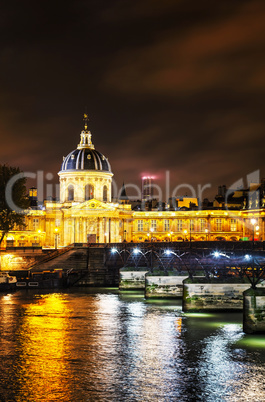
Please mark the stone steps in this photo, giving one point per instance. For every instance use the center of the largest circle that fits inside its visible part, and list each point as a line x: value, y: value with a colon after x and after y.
x: 72, y: 259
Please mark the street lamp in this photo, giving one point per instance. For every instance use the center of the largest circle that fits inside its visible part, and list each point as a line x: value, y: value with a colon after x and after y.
x: 56, y: 238
x: 253, y: 222
x: 257, y: 231
x: 170, y: 236
x: 152, y: 231
x: 191, y: 225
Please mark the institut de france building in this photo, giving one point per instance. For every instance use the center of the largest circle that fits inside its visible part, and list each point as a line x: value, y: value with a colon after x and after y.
x: 86, y: 212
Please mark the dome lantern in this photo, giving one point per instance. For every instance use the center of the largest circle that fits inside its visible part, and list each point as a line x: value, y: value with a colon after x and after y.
x: 85, y: 173
x: 85, y: 140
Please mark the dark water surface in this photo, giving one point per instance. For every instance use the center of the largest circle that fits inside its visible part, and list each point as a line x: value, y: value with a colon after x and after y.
x: 104, y: 345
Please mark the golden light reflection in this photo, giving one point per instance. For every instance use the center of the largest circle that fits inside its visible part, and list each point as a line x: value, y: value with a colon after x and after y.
x: 6, y: 308
x: 178, y: 324
x: 43, y: 348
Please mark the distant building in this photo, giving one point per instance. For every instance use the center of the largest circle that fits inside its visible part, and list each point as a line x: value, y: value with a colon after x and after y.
x: 33, y: 198
x: 177, y: 203
x: 147, y: 188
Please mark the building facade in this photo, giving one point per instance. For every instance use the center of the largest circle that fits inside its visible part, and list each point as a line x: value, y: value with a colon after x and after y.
x: 85, y: 212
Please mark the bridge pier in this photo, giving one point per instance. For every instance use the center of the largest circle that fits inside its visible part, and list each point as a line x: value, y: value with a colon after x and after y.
x: 203, y: 294
x: 132, y: 278
x: 254, y: 311
x: 160, y: 285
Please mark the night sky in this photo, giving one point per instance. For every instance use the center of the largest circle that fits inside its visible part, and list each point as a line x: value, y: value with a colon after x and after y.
x: 172, y: 86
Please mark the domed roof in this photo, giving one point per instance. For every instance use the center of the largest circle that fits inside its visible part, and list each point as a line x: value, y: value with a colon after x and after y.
x: 85, y: 157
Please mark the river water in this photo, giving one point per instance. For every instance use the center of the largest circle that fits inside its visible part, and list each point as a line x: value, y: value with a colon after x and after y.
x: 106, y: 345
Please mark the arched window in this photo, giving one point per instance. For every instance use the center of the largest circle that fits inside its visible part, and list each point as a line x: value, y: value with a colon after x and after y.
x: 71, y: 193
x: 89, y: 192
x: 105, y: 194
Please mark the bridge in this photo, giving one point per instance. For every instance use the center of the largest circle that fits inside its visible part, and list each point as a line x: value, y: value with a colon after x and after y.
x: 211, y: 259
x: 206, y: 275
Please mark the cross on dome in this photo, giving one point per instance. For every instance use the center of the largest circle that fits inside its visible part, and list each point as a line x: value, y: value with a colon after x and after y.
x: 85, y: 140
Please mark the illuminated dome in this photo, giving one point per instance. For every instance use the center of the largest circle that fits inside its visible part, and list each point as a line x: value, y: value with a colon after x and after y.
x: 85, y: 173
x: 85, y: 157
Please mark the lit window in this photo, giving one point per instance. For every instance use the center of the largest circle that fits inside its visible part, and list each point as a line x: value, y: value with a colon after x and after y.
x: 202, y: 225
x: 140, y: 225
x: 153, y: 225
x: 89, y: 192
x: 179, y: 225
x: 166, y: 225
x: 105, y: 194
x: 71, y: 193
x: 219, y: 224
x: 233, y: 225
x: 35, y: 223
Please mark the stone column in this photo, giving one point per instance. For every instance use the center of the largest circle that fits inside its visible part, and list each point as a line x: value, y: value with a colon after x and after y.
x: 254, y: 311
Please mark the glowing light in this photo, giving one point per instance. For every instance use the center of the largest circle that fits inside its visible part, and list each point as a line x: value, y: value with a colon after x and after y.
x: 199, y: 315
x: 168, y: 252
x: 247, y: 257
x: 216, y: 254
x: 114, y: 250
x: 148, y: 177
x: 253, y: 221
x: 136, y: 251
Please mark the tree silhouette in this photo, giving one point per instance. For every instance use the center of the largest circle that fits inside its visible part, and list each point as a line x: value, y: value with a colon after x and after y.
x: 11, y: 215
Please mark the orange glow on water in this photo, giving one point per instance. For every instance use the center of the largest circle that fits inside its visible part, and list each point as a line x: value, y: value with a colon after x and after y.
x: 43, y: 370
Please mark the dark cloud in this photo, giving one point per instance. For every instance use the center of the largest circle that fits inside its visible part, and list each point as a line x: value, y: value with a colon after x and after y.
x: 173, y: 85
x: 226, y: 53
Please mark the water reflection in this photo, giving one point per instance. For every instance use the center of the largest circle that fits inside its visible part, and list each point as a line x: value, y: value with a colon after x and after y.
x: 104, y: 346
x: 216, y: 364
x: 42, y: 369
